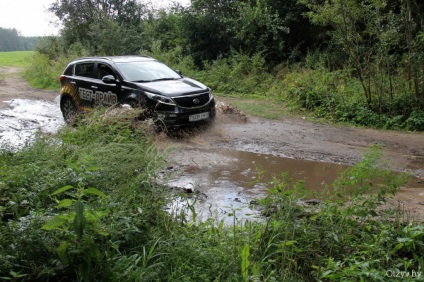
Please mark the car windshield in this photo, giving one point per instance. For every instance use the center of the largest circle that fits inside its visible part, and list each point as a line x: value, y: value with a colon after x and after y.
x: 147, y: 71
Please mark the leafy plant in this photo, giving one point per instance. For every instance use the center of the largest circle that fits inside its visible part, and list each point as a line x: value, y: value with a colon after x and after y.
x: 78, y: 225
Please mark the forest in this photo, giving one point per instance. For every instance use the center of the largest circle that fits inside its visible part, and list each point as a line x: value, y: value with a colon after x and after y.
x: 350, y: 61
x: 10, y: 40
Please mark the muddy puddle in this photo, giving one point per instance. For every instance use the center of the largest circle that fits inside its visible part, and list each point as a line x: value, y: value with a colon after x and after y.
x: 23, y: 118
x: 225, y: 184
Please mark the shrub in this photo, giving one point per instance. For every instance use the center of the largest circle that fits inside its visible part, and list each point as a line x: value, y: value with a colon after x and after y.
x: 415, y: 121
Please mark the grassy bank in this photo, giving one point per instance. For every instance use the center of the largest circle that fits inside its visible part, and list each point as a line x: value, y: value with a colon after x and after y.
x: 84, y: 206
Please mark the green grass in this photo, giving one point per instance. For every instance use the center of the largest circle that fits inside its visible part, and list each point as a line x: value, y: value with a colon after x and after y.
x: 15, y: 58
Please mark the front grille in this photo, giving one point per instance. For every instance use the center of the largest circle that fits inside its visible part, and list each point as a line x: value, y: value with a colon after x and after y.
x: 192, y: 101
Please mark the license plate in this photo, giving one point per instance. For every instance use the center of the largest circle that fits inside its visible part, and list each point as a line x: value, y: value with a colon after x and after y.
x: 197, y: 117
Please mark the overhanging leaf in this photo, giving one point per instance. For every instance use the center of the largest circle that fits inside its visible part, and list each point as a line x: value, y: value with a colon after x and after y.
x: 94, y: 191
x: 61, y: 190
x: 55, y: 222
x: 65, y: 203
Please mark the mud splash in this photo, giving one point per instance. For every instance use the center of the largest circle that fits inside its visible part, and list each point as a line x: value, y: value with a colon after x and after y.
x: 23, y: 118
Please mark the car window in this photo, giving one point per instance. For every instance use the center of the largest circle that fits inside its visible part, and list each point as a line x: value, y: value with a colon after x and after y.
x: 69, y: 70
x: 146, y: 71
x: 103, y: 70
x: 84, y: 69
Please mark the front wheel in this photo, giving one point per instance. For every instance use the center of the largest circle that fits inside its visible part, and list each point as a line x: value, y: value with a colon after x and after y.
x: 68, y: 108
x: 146, y: 111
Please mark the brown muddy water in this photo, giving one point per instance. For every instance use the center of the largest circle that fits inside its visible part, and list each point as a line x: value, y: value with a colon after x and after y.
x: 225, y: 183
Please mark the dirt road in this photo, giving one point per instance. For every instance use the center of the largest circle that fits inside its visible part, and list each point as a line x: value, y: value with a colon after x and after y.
x: 12, y: 86
x: 293, y: 138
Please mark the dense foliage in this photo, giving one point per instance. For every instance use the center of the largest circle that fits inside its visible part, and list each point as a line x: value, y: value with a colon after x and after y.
x: 352, y: 61
x: 84, y: 206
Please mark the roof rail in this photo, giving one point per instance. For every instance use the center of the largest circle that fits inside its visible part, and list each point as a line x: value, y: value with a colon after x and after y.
x: 111, y: 57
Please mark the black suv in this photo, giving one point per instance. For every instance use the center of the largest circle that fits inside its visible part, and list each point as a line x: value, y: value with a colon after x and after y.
x: 139, y: 81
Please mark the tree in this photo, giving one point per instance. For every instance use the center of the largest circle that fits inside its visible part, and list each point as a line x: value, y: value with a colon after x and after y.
x: 11, y: 40
x: 276, y: 29
x: 299, y: 34
x: 164, y: 27
x: 260, y: 30
x: 207, y: 27
x: 371, y: 34
x: 81, y: 18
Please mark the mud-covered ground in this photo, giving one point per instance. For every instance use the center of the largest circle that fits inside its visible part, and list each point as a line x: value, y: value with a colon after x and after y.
x: 316, y: 152
x: 220, y: 162
x: 12, y: 86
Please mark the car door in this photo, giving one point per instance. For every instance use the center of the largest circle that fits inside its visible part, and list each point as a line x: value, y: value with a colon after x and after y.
x: 84, y: 79
x: 105, y: 93
x: 92, y: 91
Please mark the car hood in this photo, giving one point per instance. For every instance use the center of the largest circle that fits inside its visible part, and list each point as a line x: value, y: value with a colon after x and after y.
x: 173, y: 87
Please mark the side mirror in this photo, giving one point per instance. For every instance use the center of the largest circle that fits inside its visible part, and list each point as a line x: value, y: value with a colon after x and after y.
x: 109, y: 79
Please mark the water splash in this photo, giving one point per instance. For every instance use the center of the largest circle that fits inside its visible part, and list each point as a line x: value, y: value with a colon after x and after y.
x: 24, y: 118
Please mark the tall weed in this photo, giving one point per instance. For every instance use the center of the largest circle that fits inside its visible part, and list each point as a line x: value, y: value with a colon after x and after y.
x: 76, y: 231
x: 45, y: 68
x: 238, y: 74
x: 346, y: 240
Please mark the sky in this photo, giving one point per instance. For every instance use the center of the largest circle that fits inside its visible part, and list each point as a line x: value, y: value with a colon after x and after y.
x: 30, y: 18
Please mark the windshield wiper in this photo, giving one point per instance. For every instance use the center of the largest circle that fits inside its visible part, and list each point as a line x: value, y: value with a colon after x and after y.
x: 158, y: 79
x: 141, y: 81
x: 165, y: 78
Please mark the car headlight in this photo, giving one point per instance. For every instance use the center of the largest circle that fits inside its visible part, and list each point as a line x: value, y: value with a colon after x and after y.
x: 160, y: 98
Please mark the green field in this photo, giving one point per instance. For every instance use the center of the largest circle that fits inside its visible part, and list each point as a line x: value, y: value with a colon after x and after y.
x: 15, y: 58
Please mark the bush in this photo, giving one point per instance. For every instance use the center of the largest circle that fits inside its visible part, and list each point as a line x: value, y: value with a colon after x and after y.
x: 415, y: 121
x: 335, y: 95
x: 46, y: 65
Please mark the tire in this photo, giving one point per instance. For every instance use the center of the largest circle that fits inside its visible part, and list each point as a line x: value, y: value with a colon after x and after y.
x: 69, y: 109
x: 147, y: 113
